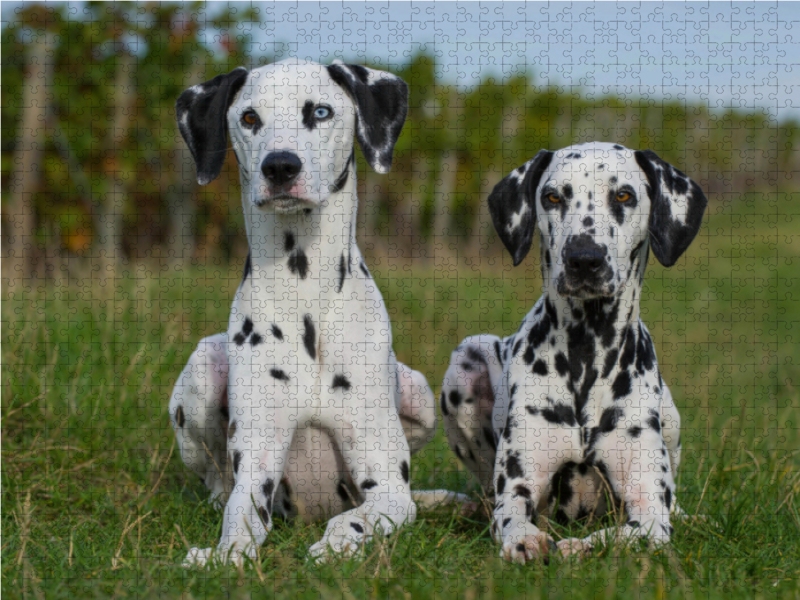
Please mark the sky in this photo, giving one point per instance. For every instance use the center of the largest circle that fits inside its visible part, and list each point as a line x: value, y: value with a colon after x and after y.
x: 740, y: 55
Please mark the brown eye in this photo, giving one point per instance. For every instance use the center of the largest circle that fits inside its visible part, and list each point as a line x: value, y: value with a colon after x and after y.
x: 250, y: 118
x: 623, y: 197
x: 553, y: 198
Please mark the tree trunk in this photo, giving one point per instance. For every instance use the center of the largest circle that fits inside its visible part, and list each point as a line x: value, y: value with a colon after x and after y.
x: 113, y: 207
x: 443, y: 201
x: 21, y: 248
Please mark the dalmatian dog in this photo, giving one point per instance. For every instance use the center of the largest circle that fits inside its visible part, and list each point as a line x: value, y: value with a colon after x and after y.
x: 300, y: 408
x: 569, y: 417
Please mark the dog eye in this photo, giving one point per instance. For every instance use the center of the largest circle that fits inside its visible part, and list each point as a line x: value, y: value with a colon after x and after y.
x: 623, y: 197
x: 323, y: 112
x: 250, y: 118
x: 554, y: 198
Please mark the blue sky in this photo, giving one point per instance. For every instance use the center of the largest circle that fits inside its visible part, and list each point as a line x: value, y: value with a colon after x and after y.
x: 743, y: 55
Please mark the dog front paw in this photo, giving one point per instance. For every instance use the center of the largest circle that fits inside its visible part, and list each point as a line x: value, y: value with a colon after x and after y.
x: 574, y: 547
x: 524, y: 548
x: 198, y: 557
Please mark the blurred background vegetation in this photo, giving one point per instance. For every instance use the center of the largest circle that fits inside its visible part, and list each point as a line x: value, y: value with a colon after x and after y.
x: 94, y: 172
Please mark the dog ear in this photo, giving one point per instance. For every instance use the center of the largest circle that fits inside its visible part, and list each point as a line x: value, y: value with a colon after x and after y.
x: 381, y: 101
x: 512, y: 205
x: 202, y: 113
x: 677, y: 205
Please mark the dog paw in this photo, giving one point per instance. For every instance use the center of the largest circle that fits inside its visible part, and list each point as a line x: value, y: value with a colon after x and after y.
x: 197, y: 557
x: 325, y: 550
x: 221, y: 555
x: 573, y: 547
x: 523, y: 549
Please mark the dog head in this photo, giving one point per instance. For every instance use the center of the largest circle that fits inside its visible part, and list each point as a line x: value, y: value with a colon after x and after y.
x: 293, y: 126
x: 598, y: 207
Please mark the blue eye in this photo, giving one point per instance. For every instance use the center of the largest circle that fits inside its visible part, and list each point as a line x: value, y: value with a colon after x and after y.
x: 323, y: 112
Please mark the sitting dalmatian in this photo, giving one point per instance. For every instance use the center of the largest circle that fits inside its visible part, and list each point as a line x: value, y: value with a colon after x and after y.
x: 301, y: 408
x: 569, y: 417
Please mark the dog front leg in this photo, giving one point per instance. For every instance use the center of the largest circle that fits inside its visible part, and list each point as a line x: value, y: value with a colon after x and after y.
x: 530, y: 453
x: 258, y: 455
x: 376, y: 453
x: 638, y: 474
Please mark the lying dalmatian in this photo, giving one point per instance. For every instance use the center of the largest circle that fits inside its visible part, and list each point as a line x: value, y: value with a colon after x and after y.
x: 301, y: 408
x: 569, y: 417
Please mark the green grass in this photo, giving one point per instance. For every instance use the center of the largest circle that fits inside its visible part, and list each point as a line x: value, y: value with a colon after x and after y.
x: 96, y: 501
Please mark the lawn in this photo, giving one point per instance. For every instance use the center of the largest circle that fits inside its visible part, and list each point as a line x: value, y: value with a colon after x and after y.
x: 96, y: 501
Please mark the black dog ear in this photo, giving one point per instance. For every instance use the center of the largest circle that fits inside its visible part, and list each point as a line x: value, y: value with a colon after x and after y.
x: 381, y: 101
x: 202, y: 113
x: 512, y: 205
x: 677, y: 205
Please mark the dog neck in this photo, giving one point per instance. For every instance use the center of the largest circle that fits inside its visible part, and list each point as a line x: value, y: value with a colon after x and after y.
x: 312, y: 242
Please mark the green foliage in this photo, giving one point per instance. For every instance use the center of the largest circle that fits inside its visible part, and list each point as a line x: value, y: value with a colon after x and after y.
x: 456, y: 143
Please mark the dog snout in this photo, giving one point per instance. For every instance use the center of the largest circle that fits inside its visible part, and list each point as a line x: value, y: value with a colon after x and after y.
x: 584, y: 258
x: 281, y: 168
x: 585, y: 261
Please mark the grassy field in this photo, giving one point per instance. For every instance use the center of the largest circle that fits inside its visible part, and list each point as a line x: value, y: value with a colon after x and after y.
x: 96, y: 501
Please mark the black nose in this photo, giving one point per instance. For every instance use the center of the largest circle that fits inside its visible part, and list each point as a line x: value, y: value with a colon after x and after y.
x: 281, y: 168
x: 585, y: 261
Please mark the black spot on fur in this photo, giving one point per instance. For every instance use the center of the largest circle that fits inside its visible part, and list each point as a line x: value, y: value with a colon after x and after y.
x: 529, y: 355
x: 237, y: 459
x: 342, y: 273
x: 560, y: 414
x: 298, y: 263
x: 539, y: 331
x: 617, y: 147
x: 611, y: 360
x: 506, y: 521
x: 357, y: 527
x: 668, y: 497
x: 264, y: 513
x: 513, y: 467
x: 562, y: 364
x: 588, y: 221
x: 522, y: 491
x: 364, y: 269
x: 404, y: 470
x: 652, y: 421
x: 309, y: 337
x: 540, y: 367
x: 256, y: 339
x: 609, y: 418
x: 279, y: 374
x: 239, y: 339
x: 180, y: 419
x: 501, y: 484
x: 368, y: 484
x: 622, y: 385
x: 455, y: 398
x: 247, y: 328
x: 635, y: 431
x: 288, y: 241
x: 276, y: 331
x: 340, y: 381
x: 561, y: 486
